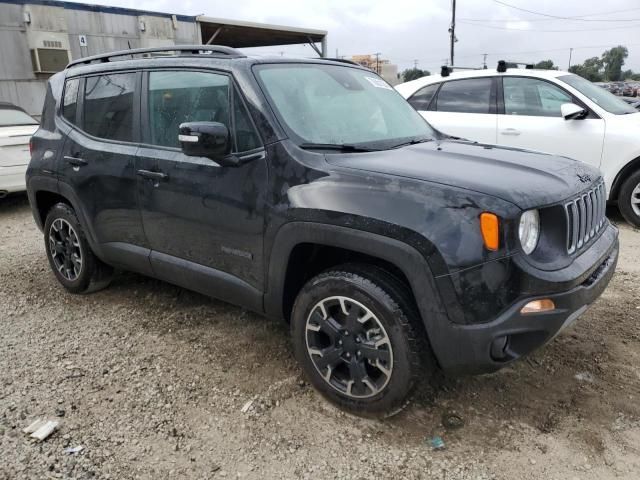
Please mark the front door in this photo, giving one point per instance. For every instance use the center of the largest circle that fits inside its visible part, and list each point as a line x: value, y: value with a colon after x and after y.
x: 204, y: 221
x: 98, y: 163
x: 532, y: 120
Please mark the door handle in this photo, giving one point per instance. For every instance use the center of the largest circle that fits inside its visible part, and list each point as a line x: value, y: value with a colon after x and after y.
x: 157, y: 176
x: 75, y: 161
x: 510, y: 131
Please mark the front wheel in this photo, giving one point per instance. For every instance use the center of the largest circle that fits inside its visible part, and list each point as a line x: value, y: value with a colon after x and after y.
x: 629, y: 199
x: 355, y: 333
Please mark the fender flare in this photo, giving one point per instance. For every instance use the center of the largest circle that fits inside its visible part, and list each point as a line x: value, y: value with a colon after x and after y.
x: 404, y: 256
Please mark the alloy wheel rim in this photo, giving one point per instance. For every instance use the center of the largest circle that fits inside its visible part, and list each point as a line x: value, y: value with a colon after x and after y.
x: 64, y: 247
x: 349, y: 347
x: 635, y: 200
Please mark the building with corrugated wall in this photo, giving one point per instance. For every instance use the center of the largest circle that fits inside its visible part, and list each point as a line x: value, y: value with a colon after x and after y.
x: 39, y: 38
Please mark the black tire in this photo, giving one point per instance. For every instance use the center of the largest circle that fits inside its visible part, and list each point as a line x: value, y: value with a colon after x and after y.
x: 92, y: 274
x: 629, y: 191
x: 392, y: 306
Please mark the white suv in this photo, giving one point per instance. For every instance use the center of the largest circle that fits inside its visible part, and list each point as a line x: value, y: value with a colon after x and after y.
x: 16, y: 128
x: 545, y: 110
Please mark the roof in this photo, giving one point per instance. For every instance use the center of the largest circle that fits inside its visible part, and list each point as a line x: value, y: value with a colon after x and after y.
x: 241, y: 34
x: 99, y: 8
x: 410, y: 87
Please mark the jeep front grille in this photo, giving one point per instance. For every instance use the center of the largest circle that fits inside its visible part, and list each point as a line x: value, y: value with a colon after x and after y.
x: 585, y: 217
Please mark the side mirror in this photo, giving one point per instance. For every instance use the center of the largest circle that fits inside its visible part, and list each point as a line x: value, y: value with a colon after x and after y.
x: 571, y: 111
x: 204, y: 139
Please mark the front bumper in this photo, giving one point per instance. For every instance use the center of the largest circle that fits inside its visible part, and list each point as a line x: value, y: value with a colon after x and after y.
x: 486, y: 347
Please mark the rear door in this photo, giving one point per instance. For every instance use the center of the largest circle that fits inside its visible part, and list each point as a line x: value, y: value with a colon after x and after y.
x: 532, y: 120
x: 464, y: 108
x: 204, y: 221
x: 98, y: 164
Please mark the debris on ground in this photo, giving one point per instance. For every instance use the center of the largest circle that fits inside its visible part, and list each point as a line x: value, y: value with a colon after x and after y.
x: 436, y: 443
x: 452, y: 420
x: 41, y: 429
x: 245, y: 408
x: 584, y: 377
x: 73, y: 450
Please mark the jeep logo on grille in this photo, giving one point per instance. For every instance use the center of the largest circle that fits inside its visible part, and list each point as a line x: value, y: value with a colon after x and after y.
x: 584, y: 178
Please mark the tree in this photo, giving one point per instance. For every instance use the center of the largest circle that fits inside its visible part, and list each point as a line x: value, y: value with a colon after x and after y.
x: 414, y: 73
x: 613, y: 60
x: 590, y: 69
x: 545, y: 65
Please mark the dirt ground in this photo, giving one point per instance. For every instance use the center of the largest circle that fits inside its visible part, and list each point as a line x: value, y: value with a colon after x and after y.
x: 151, y: 380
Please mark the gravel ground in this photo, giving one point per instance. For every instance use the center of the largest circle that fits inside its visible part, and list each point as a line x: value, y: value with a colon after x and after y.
x: 151, y: 380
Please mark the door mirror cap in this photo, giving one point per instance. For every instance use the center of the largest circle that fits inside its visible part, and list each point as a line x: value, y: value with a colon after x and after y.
x: 571, y: 111
x: 204, y: 139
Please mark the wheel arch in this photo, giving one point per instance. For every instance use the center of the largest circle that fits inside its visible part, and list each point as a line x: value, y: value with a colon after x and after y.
x: 387, y: 252
x: 621, y: 176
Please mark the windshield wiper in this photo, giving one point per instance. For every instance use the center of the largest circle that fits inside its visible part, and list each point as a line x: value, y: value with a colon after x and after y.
x: 414, y: 141
x: 343, y: 147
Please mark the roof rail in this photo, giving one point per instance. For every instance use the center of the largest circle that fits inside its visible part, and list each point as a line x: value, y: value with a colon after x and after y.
x: 445, y: 70
x: 502, y: 65
x: 182, y: 49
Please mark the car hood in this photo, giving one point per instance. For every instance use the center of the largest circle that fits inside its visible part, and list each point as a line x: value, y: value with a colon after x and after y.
x: 525, y: 178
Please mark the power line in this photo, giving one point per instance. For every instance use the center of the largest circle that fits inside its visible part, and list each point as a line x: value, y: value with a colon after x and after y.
x: 494, y: 27
x: 558, y: 17
x: 570, y: 19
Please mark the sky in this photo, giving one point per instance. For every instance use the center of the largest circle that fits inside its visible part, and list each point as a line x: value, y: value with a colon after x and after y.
x: 406, y: 31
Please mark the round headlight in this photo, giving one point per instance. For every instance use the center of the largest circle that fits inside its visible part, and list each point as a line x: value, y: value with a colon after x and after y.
x: 529, y: 230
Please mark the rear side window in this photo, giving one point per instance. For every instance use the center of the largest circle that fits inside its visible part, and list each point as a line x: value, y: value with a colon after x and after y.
x: 472, y: 95
x: 178, y: 97
x: 70, y: 100
x: 108, y: 106
x: 532, y: 97
x: 422, y: 98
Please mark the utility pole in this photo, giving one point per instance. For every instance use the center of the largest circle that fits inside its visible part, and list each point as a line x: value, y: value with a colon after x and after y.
x: 484, y: 61
x: 452, y: 28
x: 377, y: 54
x: 415, y: 64
x: 570, y: 52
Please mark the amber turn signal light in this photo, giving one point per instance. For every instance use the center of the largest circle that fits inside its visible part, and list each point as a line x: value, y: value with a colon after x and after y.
x: 538, y: 306
x: 490, y: 227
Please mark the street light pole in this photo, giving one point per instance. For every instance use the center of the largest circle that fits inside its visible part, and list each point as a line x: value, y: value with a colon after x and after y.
x: 570, y: 52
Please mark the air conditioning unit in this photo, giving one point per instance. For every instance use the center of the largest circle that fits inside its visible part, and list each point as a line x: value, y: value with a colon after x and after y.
x: 49, y: 51
x: 49, y: 60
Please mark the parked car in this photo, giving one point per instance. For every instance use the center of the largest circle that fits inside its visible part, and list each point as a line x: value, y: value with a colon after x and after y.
x: 546, y: 110
x: 634, y: 102
x: 16, y: 128
x: 628, y: 90
x: 310, y: 190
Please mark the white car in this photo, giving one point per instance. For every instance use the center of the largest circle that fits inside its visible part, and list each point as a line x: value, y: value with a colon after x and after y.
x: 545, y: 110
x: 16, y: 128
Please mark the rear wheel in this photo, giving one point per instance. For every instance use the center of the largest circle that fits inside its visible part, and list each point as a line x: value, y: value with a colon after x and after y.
x: 629, y: 199
x: 356, y: 336
x: 70, y: 256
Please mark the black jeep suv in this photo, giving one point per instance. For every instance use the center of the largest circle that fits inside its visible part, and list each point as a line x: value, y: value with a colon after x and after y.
x: 310, y: 190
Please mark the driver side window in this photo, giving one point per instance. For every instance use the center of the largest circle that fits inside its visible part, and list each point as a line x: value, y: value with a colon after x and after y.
x: 178, y: 97
x: 532, y: 97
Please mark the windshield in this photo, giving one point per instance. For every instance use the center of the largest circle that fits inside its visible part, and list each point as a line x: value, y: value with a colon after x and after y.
x: 330, y: 104
x: 11, y: 117
x: 598, y: 95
